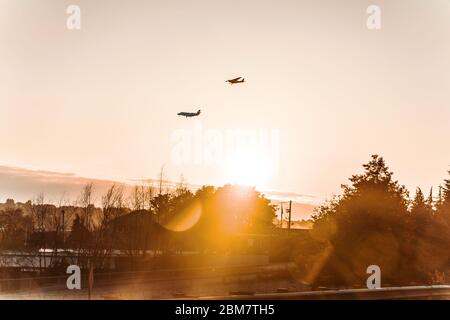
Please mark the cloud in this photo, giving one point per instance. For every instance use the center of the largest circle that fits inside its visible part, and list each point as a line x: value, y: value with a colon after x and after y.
x: 295, y: 197
x: 23, y: 184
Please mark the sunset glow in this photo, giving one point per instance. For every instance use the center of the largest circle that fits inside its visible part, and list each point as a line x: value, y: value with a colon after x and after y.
x: 249, y: 168
x: 235, y: 150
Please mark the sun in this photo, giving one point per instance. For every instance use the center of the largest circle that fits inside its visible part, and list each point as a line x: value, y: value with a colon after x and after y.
x: 249, y: 167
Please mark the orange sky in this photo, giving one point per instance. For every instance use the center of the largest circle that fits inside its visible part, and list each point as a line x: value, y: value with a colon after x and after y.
x: 102, y: 101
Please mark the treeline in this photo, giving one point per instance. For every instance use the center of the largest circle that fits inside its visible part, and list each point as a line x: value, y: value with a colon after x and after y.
x: 374, y: 222
x: 142, y: 223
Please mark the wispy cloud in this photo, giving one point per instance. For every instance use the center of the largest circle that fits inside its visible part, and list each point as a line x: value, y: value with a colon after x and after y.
x: 293, y: 196
x: 23, y: 184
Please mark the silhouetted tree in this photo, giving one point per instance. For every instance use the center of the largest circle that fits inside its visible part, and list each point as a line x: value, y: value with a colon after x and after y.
x: 425, y: 243
x: 15, y: 227
x: 160, y: 206
x: 80, y: 239
x: 444, y: 199
x: 366, y: 225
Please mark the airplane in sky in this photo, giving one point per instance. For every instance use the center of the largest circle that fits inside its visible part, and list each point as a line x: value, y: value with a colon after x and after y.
x: 236, y: 80
x: 189, y: 114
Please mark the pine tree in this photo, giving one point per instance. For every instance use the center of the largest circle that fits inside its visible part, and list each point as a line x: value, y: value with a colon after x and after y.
x: 421, y: 209
x: 430, y: 201
x: 368, y: 222
x: 446, y: 191
x: 443, y: 203
x: 439, y: 198
x: 419, y: 200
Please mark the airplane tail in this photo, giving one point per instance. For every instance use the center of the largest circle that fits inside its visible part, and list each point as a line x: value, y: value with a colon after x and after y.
x: 198, y: 112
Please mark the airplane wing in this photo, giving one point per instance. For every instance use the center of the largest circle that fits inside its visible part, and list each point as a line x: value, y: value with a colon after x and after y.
x: 235, y: 79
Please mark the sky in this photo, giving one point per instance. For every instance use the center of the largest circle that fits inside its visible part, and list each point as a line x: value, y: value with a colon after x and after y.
x: 102, y: 102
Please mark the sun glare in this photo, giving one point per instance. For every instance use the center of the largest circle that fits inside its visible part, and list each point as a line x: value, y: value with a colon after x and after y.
x: 249, y: 168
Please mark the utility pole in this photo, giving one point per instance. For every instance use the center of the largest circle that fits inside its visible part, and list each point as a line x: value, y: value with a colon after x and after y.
x: 161, y: 174
x: 63, y: 230
x: 290, y: 210
x: 161, y: 180
x: 281, y: 220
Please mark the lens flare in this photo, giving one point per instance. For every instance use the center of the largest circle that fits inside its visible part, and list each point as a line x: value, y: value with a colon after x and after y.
x: 185, y: 219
